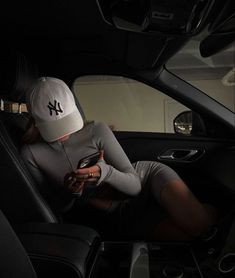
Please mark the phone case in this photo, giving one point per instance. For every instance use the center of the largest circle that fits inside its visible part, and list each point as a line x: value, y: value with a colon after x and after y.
x: 89, y: 160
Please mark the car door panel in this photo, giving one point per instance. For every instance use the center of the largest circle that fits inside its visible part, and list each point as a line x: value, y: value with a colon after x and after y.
x: 201, y: 162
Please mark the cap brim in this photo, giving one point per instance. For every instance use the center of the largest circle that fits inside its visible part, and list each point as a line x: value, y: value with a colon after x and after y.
x: 53, y: 130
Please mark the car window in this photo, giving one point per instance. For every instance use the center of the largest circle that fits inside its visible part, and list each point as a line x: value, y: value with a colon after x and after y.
x: 215, y: 75
x: 125, y: 104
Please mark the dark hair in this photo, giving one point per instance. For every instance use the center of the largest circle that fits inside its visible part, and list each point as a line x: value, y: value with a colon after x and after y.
x: 32, y: 134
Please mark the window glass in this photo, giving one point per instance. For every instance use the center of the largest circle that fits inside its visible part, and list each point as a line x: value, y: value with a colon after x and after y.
x: 214, y: 75
x: 125, y: 104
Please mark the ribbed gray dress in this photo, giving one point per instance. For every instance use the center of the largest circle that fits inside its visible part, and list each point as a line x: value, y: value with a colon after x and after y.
x: 49, y: 162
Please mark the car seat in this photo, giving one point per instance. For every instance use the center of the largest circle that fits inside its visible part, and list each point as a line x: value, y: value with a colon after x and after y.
x: 21, y: 199
x: 54, y: 248
x: 14, y: 261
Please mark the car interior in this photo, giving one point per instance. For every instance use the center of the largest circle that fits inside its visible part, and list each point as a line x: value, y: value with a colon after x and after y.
x: 131, y: 44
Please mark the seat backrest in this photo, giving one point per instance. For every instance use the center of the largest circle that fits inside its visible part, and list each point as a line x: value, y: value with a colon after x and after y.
x: 14, y: 261
x: 20, y: 199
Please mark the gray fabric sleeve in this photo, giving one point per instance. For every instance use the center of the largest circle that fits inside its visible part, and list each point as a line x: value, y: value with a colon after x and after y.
x: 116, y: 169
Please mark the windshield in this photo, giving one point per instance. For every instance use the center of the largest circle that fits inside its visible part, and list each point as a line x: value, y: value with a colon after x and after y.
x: 215, y: 75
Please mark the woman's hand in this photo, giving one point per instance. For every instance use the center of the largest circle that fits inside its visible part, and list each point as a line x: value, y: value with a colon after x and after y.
x: 71, y: 183
x: 75, y: 181
x: 90, y: 174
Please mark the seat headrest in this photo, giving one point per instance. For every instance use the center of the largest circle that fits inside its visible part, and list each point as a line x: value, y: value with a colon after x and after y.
x: 17, y: 75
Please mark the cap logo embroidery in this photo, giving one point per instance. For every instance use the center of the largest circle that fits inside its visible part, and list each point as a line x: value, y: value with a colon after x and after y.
x: 56, y: 107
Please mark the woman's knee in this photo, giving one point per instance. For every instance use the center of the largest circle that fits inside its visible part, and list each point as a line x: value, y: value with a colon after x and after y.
x: 185, y: 209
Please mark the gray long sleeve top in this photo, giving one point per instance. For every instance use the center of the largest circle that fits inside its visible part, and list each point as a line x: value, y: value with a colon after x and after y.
x: 49, y: 162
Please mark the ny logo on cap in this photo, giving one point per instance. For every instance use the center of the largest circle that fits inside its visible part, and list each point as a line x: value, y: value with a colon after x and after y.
x: 56, y: 107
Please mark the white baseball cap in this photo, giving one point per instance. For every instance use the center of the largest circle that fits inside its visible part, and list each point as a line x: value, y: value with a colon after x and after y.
x: 52, y: 105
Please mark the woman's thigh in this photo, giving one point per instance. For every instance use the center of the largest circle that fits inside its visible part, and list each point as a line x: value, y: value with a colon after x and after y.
x: 154, y: 177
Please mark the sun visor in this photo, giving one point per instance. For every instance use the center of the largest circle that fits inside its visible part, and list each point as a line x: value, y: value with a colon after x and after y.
x: 221, y: 31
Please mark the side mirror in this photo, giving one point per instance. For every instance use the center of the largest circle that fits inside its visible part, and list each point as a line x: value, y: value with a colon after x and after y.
x: 189, y: 123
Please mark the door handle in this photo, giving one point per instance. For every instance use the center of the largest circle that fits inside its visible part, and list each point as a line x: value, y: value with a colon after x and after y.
x: 181, y: 154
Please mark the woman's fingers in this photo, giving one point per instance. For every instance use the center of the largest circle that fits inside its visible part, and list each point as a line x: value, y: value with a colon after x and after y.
x: 75, y: 181
x: 86, y: 178
x: 91, y: 174
x: 69, y: 179
x: 77, y: 187
x: 72, y: 184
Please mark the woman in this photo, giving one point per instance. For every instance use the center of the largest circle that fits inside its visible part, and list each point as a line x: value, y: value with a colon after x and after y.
x: 58, y: 138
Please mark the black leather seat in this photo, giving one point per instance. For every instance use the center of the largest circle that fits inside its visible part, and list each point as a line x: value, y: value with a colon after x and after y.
x: 20, y: 199
x: 14, y: 261
x: 47, y: 250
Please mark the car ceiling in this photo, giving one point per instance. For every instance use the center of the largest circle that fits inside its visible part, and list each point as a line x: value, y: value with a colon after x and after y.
x: 57, y: 30
x: 67, y: 38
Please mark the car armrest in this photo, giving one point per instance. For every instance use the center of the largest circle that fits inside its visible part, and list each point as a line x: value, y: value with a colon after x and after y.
x: 63, y: 250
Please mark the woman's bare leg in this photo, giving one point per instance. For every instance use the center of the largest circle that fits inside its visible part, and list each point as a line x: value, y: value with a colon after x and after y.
x: 187, y: 213
x: 181, y: 216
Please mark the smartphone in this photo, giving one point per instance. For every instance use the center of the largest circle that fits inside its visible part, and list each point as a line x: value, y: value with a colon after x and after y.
x: 89, y: 160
